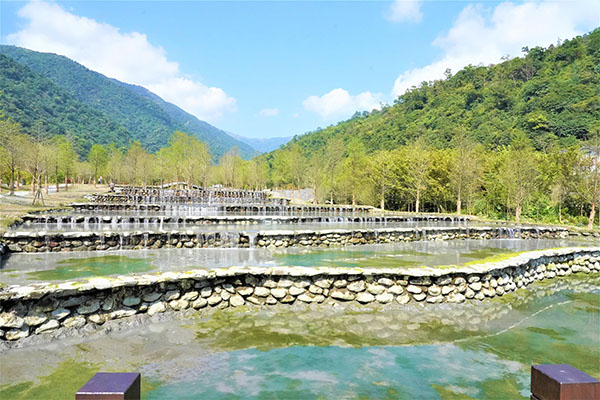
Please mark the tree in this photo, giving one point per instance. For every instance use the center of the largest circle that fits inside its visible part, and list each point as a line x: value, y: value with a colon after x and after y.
x: 289, y: 166
x: 593, y: 148
x: 13, y: 145
x: 381, y: 172
x: 518, y: 172
x: 115, y: 166
x: 257, y: 174
x: 33, y: 162
x: 315, y: 177
x: 334, y: 152
x: 418, y: 163
x: 97, y: 158
x: 66, y: 159
x: 466, y: 167
x: 231, y: 165
x: 187, y: 158
x: 566, y: 170
x: 353, y: 169
x: 138, y: 164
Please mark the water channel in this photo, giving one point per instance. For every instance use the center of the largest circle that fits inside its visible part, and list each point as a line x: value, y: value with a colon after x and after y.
x: 462, y: 351
x: 22, y: 268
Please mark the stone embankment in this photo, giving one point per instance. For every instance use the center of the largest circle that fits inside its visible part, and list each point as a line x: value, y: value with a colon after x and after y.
x: 47, y: 308
x: 233, y: 208
x: 68, y: 220
x: 40, y: 242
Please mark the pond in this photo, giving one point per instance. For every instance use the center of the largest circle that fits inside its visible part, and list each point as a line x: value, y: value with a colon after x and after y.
x: 471, y: 350
x: 39, y: 267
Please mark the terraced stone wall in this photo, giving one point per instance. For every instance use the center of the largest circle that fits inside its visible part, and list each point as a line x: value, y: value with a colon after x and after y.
x: 67, y: 307
x: 40, y: 242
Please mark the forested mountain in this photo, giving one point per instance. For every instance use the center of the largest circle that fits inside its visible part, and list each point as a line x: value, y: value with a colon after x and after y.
x: 138, y: 113
x: 521, y: 138
x: 44, y: 109
x: 553, y: 95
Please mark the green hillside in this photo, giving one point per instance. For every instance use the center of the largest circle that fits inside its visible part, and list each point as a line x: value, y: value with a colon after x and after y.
x: 44, y: 109
x: 145, y: 116
x: 553, y: 95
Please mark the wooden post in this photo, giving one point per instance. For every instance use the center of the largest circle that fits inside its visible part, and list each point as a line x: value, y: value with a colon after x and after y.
x: 562, y: 382
x: 111, y: 386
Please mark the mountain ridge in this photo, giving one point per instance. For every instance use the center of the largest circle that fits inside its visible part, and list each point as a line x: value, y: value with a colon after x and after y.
x: 146, y: 116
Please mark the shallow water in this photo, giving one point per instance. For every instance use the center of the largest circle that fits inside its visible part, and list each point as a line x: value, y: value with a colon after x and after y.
x: 473, y: 350
x: 27, y: 268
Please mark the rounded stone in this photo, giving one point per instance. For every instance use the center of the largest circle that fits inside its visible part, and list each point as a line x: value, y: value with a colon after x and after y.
x: 190, y: 296
x: 261, y: 291
x: 365, y: 297
x: 419, y: 296
x: 278, y: 293
x: 403, y: 299
x: 151, y: 297
x: 172, y: 295
x: 156, y: 308
x: 413, y: 289
x: 236, y: 300
x: 434, y: 290
x: 48, y: 326
x: 76, y: 321
x: 131, y: 301
x: 295, y: 291
x: 17, y: 334
x: 357, y: 286
x: 35, y: 319
x: 396, y: 290
x: 200, y: 303
x: 375, y: 289
x: 384, y: 297
x: 60, y: 313
x: 11, y: 320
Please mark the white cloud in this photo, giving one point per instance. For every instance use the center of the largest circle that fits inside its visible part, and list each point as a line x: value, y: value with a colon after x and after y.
x: 405, y: 10
x: 269, y: 112
x: 483, y: 35
x: 339, y: 103
x: 128, y: 57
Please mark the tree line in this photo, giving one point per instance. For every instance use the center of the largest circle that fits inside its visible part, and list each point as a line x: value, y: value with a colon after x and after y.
x: 40, y: 163
x: 512, y: 181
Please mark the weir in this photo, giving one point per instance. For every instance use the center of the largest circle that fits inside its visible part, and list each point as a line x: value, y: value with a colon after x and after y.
x: 42, y: 308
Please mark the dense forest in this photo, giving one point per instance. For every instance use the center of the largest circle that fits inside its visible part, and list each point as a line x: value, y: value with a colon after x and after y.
x: 519, y: 138
x: 98, y: 109
x: 552, y: 95
x: 46, y: 109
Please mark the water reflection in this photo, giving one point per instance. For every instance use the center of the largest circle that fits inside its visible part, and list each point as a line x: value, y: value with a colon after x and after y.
x: 480, y: 350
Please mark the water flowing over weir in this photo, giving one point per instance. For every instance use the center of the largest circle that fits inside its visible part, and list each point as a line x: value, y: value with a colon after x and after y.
x: 116, y: 273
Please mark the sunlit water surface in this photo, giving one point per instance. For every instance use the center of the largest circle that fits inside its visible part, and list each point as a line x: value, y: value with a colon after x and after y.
x: 28, y: 268
x: 481, y: 350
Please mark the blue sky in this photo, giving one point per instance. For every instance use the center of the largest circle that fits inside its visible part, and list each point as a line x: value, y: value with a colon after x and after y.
x: 264, y: 69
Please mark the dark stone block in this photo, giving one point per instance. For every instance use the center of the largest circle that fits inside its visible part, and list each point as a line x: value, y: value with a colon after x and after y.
x: 111, y: 386
x: 562, y: 382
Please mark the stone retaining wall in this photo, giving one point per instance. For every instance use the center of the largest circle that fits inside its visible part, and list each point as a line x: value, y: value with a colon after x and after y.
x: 69, y: 220
x: 245, y: 208
x: 40, y: 242
x: 46, y: 308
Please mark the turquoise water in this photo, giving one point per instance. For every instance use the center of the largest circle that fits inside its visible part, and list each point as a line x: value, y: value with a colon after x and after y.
x: 475, y: 350
x: 36, y: 267
x: 561, y: 328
